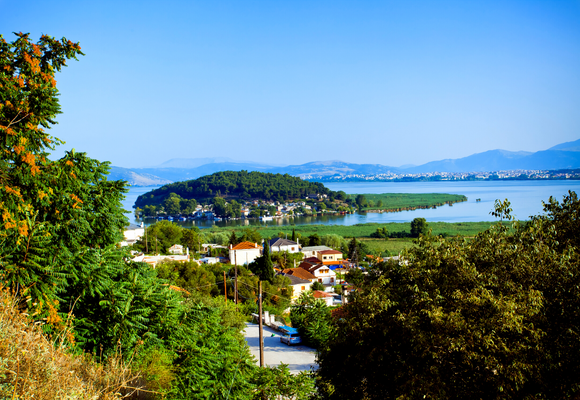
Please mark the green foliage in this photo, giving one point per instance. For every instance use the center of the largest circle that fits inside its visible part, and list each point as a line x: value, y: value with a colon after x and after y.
x: 189, y: 276
x: 493, y: 317
x: 263, y: 266
x: 405, y: 201
x: 278, y: 382
x: 237, y: 185
x: 419, y: 227
x: 317, y: 286
x: 161, y: 236
x: 312, y: 319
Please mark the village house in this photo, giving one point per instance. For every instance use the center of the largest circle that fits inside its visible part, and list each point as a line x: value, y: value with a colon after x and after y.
x: 311, y: 251
x: 326, y: 297
x: 298, y: 286
x: 154, y: 260
x: 281, y: 244
x: 330, y: 257
x: 176, y: 249
x: 244, y: 253
x: 132, y: 233
x: 300, y: 273
x: 322, y: 272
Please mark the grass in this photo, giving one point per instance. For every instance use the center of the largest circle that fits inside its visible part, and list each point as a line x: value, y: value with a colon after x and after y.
x: 410, y: 201
x: 32, y: 367
x: 362, y: 230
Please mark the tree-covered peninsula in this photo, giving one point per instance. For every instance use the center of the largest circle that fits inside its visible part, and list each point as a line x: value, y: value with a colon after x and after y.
x: 241, y: 185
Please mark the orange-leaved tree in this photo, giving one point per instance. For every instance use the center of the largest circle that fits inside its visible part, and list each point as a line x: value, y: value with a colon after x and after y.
x: 51, y: 210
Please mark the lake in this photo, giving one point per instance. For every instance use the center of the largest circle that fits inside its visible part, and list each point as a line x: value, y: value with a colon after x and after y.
x: 525, y: 196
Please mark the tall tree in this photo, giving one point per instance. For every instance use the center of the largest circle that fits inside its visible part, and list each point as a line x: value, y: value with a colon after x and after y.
x: 51, y: 210
x: 495, y: 317
x: 419, y: 227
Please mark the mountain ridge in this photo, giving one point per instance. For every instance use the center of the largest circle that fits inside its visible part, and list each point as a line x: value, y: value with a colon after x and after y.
x: 562, y: 156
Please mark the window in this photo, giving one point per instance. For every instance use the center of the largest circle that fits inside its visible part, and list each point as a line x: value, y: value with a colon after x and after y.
x: 320, y: 280
x: 303, y: 288
x: 292, y: 248
x: 331, y: 280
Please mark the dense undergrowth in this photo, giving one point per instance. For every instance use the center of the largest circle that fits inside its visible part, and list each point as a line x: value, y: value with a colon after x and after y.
x: 33, y: 367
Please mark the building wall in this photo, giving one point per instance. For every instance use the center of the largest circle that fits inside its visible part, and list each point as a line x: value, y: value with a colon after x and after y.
x: 244, y: 257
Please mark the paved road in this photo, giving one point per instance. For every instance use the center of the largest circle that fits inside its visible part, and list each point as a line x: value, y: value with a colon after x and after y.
x: 299, y: 358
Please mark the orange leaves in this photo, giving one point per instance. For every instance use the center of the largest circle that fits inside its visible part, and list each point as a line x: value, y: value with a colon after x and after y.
x: 36, y: 50
x: 41, y: 195
x: 29, y: 159
x: 8, y: 130
x: 18, y: 149
x: 76, y: 200
x: 70, y: 163
x: 23, y: 228
x: 15, y: 192
x: 8, y: 220
x: 33, y: 62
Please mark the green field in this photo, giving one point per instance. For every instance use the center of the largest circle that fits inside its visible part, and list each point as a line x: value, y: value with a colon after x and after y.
x: 362, y: 230
x: 409, y: 201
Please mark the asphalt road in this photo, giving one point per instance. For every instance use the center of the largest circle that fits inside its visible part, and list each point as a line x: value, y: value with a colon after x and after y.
x: 298, y: 357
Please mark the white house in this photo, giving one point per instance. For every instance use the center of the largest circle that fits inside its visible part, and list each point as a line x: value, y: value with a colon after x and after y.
x: 322, y: 272
x: 280, y: 244
x: 312, y: 251
x: 132, y: 233
x: 244, y: 253
x: 154, y: 260
x: 176, y: 249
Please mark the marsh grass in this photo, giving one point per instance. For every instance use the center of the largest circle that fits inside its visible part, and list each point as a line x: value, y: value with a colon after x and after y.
x: 467, y: 229
x: 32, y: 367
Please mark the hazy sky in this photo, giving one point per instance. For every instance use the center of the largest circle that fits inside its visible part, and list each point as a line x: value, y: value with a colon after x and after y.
x: 288, y: 82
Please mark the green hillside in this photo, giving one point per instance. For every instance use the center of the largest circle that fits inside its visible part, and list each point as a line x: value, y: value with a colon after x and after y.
x: 236, y: 185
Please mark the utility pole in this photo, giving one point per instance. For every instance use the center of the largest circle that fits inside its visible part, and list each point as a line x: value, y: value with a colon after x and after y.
x: 225, y: 289
x: 260, y: 324
x: 236, y: 285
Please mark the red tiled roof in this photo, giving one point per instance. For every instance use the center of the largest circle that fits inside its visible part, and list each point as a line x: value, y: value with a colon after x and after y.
x: 319, y: 294
x: 330, y: 252
x: 312, y: 260
x: 308, y: 266
x: 299, y: 273
x: 246, y: 246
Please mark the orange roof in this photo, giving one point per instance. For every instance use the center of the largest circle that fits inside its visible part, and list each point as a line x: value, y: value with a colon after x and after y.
x: 299, y: 273
x: 307, y: 266
x: 246, y: 246
x: 319, y: 294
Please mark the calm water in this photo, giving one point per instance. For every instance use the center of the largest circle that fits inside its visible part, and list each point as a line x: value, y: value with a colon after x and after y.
x: 525, y: 196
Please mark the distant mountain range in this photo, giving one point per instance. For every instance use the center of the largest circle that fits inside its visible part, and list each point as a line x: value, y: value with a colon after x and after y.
x: 562, y: 156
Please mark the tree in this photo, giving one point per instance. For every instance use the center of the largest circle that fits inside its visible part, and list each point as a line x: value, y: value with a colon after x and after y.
x: 419, y: 227
x: 191, y: 238
x: 361, y: 201
x: 51, y: 210
x: 312, y: 319
x: 172, y: 204
x: 262, y: 266
x: 494, y: 317
x: 353, y: 251
x: 161, y: 236
x: 314, y: 240
x: 317, y: 286
x: 293, y: 235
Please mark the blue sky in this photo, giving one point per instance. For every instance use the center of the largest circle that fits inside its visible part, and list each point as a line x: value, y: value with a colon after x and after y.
x: 288, y: 82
